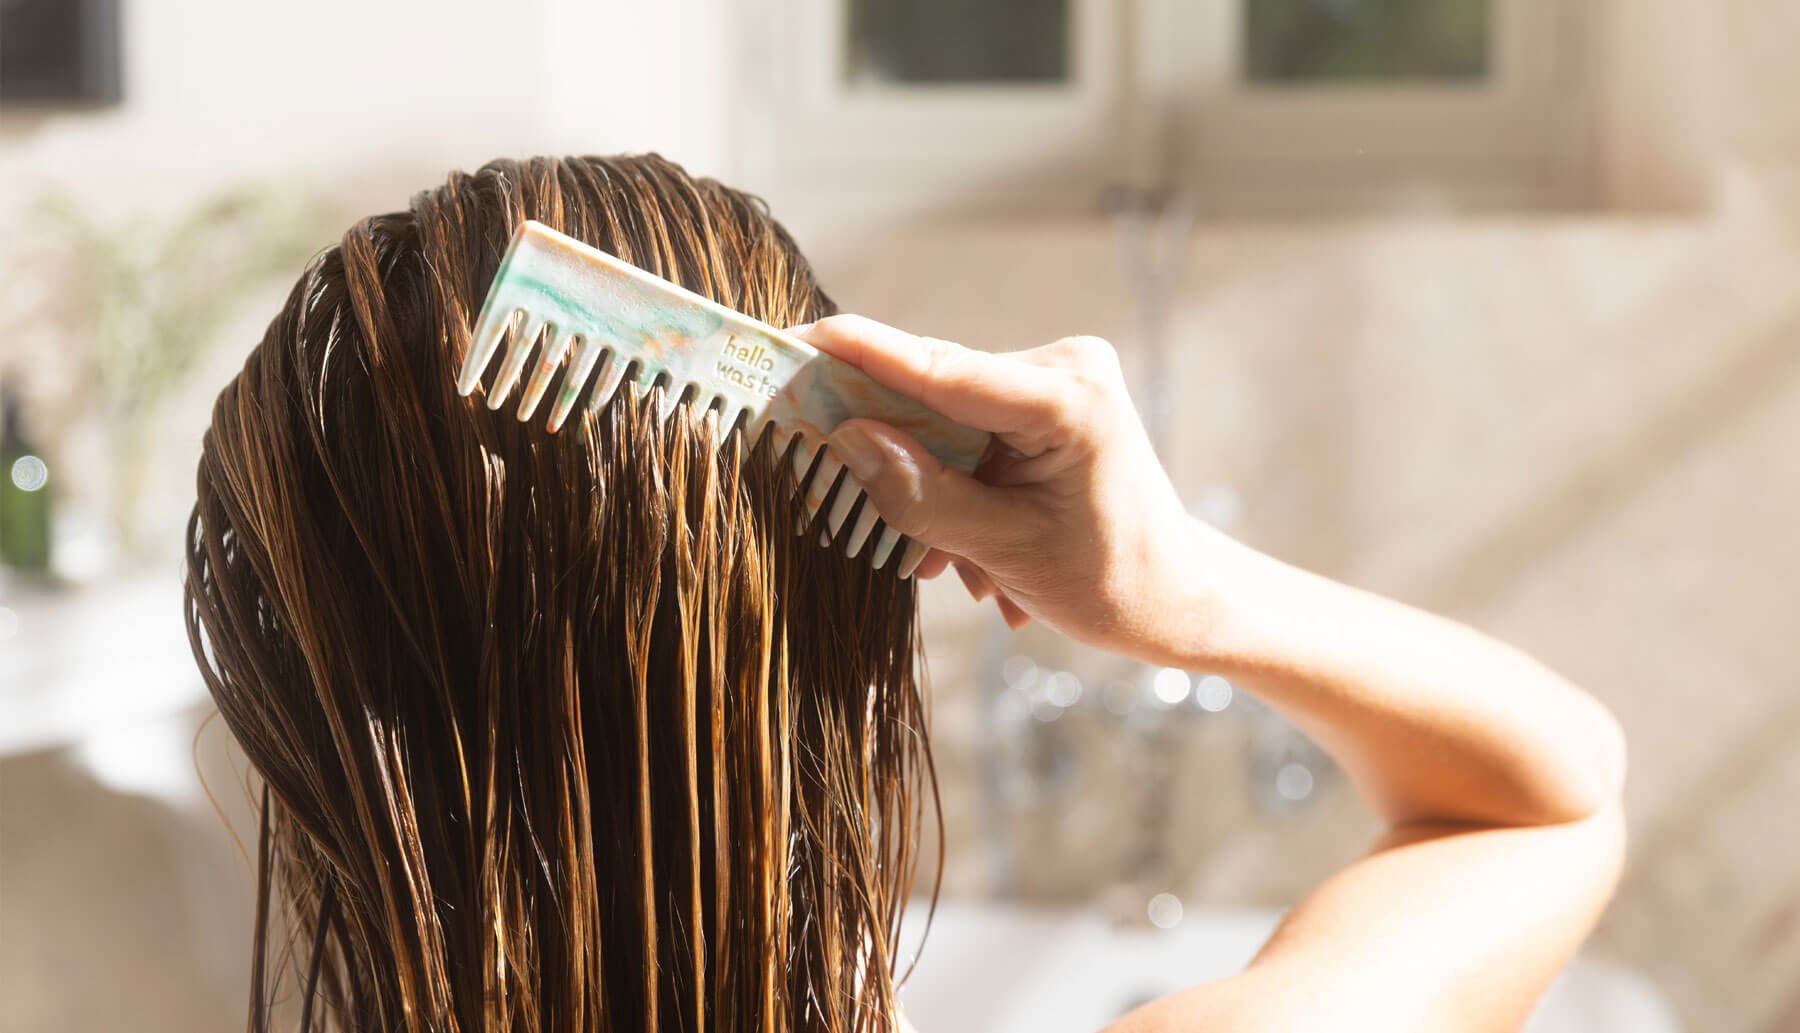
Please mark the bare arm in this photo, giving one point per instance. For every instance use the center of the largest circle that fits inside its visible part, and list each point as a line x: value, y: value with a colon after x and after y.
x: 1499, y: 781
x: 1434, y: 721
x: 1440, y: 927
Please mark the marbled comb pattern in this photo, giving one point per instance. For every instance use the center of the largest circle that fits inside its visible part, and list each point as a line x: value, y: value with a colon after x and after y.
x: 558, y: 305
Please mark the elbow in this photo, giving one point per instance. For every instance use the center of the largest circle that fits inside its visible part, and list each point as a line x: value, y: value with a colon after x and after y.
x: 1609, y: 758
x: 1583, y: 774
x: 1596, y: 783
x: 1615, y: 751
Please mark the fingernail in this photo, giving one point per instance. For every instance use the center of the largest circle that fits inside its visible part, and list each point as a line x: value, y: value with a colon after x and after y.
x: 798, y: 330
x: 858, y: 451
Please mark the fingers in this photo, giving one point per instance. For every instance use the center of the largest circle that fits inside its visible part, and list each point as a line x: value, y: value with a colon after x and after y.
x: 981, y: 586
x: 918, y: 495
x: 935, y: 563
x: 978, y: 583
x: 997, y: 393
x: 1009, y: 611
x: 1094, y: 355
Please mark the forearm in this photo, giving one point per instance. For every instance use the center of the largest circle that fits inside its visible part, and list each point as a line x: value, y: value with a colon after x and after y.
x: 1457, y: 740
x: 1434, y: 721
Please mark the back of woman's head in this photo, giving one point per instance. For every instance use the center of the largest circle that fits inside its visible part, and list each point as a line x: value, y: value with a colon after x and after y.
x: 558, y: 732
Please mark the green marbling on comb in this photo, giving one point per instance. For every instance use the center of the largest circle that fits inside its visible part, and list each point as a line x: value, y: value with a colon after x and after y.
x: 585, y: 293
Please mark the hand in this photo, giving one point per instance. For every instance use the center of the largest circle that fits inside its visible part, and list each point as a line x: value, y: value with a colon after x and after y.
x: 1070, y: 518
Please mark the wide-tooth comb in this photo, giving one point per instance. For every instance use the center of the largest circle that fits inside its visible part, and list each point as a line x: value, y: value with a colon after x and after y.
x: 599, y: 319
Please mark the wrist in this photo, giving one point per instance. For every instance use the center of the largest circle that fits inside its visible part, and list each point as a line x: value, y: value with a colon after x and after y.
x: 1209, y: 621
x: 1179, y: 604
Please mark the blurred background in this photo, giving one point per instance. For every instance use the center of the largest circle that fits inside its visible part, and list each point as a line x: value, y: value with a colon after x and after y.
x: 1491, y: 305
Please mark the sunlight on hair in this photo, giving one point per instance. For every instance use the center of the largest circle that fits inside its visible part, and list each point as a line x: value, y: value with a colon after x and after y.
x: 559, y: 731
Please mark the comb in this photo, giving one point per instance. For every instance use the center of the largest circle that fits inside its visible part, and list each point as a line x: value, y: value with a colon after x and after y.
x: 605, y: 322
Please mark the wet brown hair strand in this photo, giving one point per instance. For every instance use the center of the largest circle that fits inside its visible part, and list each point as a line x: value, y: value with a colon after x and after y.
x: 555, y: 732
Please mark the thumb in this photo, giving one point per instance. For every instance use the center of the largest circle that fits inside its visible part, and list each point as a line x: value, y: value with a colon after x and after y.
x: 916, y: 493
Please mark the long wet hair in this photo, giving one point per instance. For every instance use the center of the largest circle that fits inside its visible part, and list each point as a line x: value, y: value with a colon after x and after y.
x: 554, y: 732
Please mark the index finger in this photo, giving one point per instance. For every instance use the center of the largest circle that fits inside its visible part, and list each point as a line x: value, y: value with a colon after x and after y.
x: 997, y: 393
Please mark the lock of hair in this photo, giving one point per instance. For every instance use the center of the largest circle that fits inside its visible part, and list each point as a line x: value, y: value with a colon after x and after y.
x: 608, y: 327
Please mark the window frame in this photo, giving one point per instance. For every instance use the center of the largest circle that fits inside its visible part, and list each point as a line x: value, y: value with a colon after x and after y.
x: 1516, y: 139
x: 803, y: 130
x: 1155, y: 98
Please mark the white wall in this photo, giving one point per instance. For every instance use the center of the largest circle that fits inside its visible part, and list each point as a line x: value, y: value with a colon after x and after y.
x: 356, y: 103
x: 341, y: 93
x: 1661, y: 124
x: 353, y: 105
x: 651, y: 76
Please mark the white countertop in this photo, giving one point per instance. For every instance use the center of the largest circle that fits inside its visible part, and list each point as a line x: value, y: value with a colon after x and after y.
x: 77, y: 661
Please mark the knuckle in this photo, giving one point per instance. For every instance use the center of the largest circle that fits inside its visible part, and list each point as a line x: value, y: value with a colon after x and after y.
x: 1096, y: 377
x: 1053, y: 407
x: 938, y: 351
x: 1063, y: 353
x: 842, y: 325
x: 1098, y: 351
x: 913, y: 518
x: 908, y: 510
x: 939, y: 359
x: 1085, y: 351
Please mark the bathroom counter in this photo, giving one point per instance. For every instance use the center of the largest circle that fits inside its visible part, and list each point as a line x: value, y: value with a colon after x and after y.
x: 79, y: 660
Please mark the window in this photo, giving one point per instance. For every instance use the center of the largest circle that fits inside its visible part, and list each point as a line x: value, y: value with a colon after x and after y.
x: 1253, y: 104
x: 1289, y: 42
x: 856, y: 107
x: 954, y: 41
x: 59, y: 51
x: 1356, y: 103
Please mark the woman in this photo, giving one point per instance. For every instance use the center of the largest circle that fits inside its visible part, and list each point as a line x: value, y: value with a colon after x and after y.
x: 582, y: 732
x: 1499, y: 782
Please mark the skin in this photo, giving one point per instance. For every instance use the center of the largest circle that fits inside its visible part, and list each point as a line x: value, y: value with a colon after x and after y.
x: 1499, y: 781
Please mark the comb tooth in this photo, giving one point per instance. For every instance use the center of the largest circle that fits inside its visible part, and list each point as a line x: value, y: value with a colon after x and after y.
x: 758, y: 432
x: 746, y: 438
x: 556, y: 345
x: 820, y: 487
x: 884, y: 547
x: 911, y: 558
x: 587, y: 353
x: 516, y: 353
x: 610, y: 379
x: 483, y: 345
x: 750, y: 438
x: 843, y: 504
x: 778, y: 443
x: 728, y: 420
x: 671, y: 395
x: 859, y: 532
x: 802, y: 458
x: 720, y: 407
